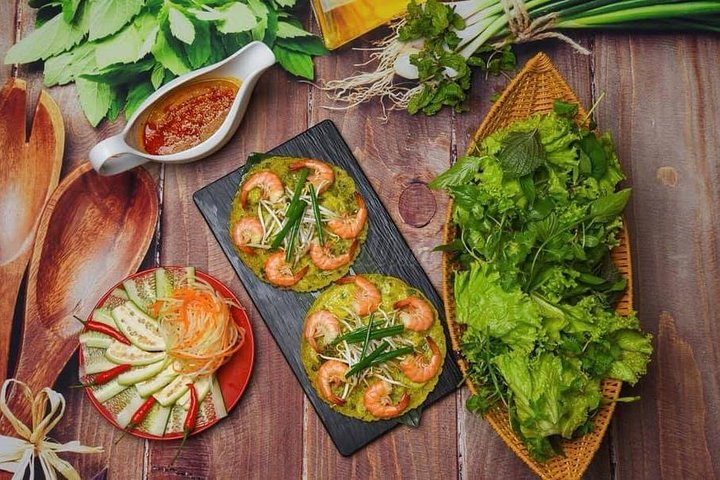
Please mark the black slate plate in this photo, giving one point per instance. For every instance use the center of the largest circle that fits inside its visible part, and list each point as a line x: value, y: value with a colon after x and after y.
x: 385, y: 251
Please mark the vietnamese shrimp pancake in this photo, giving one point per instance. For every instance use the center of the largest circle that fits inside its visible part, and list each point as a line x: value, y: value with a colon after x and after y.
x: 298, y: 223
x: 187, y: 116
x: 372, y: 347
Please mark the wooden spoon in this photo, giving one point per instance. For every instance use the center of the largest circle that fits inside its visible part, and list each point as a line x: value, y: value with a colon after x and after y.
x: 29, y: 173
x: 94, y: 232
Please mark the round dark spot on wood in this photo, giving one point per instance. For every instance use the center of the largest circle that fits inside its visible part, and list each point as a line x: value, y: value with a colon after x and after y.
x: 667, y: 176
x: 417, y: 205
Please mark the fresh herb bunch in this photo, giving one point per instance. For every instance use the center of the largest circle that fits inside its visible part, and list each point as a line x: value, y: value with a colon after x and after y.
x: 120, y: 51
x: 424, y: 64
x: 538, y: 211
x: 443, y: 73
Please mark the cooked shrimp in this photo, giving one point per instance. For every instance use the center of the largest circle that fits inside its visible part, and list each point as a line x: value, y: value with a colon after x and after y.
x: 367, y: 296
x: 322, y: 176
x: 247, y: 230
x: 321, y: 324
x: 324, y: 259
x: 379, y: 404
x: 415, y: 313
x: 270, y: 185
x: 331, y: 373
x: 278, y: 271
x: 418, y: 368
x: 350, y: 226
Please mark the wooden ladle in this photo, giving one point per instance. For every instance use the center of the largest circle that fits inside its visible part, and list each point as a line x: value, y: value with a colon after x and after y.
x: 94, y: 231
x: 29, y: 173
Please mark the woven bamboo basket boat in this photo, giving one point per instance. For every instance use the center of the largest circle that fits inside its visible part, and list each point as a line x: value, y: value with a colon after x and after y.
x: 533, y: 91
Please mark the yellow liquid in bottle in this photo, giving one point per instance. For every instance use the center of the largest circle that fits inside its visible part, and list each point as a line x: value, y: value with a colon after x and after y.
x: 345, y: 20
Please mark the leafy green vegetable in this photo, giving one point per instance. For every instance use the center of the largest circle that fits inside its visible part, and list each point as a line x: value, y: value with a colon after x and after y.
x: 126, y: 49
x: 521, y: 153
x: 537, y: 209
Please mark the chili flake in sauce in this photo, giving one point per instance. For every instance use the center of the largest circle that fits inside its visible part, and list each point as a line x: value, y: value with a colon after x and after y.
x: 188, y: 116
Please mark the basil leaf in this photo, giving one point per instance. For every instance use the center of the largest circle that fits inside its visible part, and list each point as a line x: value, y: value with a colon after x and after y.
x: 527, y: 185
x: 180, y: 26
x: 199, y: 52
x: 565, y: 109
x: 521, y: 153
x: 95, y: 99
x: 109, y: 16
x: 610, y: 206
x: 136, y: 96
x: 297, y: 63
x: 309, y: 45
x: 462, y: 171
x: 592, y: 147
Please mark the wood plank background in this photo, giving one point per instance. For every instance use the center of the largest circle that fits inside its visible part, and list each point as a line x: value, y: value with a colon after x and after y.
x: 662, y: 104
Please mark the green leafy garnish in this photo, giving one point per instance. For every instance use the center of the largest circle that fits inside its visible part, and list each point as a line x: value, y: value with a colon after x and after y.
x: 538, y: 210
x: 126, y: 49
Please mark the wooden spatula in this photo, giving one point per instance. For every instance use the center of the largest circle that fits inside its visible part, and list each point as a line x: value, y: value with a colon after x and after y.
x: 29, y: 173
x: 93, y: 232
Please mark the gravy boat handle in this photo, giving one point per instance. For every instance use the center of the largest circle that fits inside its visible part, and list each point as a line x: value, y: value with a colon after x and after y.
x: 113, y: 156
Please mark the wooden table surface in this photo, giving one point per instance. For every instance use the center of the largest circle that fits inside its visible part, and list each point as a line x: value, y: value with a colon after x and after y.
x: 662, y: 105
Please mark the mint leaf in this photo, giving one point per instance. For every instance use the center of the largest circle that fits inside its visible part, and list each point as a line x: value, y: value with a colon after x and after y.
x: 296, y: 63
x: 136, y: 96
x: 261, y: 12
x: 52, y: 38
x: 288, y: 30
x: 164, y: 53
x: 64, y: 68
x: 181, y: 26
x: 69, y: 9
x: 199, y: 52
x: 129, y: 44
x: 521, y: 153
x: 157, y: 76
x: 95, y: 99
x: 109, y: 16
x: 310, y: 45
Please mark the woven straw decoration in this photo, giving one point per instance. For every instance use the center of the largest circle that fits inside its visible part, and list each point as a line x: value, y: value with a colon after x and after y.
x: 532, y: 91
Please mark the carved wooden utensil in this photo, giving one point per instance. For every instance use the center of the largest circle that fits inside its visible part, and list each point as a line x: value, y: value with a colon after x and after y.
x: 29, y: 173
x: 94, y: 232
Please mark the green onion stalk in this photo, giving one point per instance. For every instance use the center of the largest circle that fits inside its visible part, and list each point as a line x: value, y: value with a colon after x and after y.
x: 426, y: 62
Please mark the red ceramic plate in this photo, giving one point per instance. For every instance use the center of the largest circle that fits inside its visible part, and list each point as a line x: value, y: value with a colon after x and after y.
x: 233, y: 377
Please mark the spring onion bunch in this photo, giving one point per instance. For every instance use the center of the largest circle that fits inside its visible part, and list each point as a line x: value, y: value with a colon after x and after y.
x: 431, y: 50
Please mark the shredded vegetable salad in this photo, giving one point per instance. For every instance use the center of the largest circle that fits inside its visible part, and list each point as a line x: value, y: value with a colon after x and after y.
x: 199, y: 328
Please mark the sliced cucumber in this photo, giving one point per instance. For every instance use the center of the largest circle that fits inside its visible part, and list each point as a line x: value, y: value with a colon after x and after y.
x: 120, y: 353
x: 173, y: 391
x: 190, y: 275
x: 142, y: 331
x: 132, y: 292
x: 141, y: 374
x: 101, y: 315
x: 156, y: 420
x: 151, y: 386
x: 202, y: 388
x: 95, y: 339
x: 119, y: 293
x: 97, y: 364
x: 217, y: 399
x: 163, y: 284
x: 108, y: 390
x: 125, y: 415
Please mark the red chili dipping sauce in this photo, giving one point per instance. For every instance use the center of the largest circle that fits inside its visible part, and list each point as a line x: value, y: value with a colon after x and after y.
x: 188, y: 116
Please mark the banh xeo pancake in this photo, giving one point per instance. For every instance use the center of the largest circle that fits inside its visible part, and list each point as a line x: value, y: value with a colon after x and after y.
x: 382, y: 324
x: 274, y: 222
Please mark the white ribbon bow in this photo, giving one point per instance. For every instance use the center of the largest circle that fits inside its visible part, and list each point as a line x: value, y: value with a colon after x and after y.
x: 17, y: 455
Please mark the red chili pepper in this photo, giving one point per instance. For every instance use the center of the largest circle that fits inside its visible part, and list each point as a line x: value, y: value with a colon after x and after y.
x: 141, y: 412
x: 104, y: 329
x: 108, y: 375
x: 190, y: 419
x: 138, y: 416
x: 107, y: 330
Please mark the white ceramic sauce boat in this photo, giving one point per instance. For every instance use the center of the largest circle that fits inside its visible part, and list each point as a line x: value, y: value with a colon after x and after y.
x: 123, y: 152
